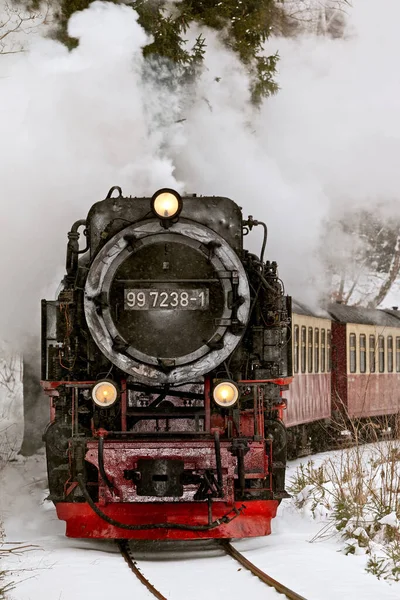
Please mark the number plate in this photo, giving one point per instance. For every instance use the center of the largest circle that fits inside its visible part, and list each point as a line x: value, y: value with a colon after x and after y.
x: 166, y: 299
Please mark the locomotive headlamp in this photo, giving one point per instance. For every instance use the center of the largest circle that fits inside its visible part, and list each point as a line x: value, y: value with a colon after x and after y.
x: 104, y: 394
x: 226, y: 394
x: 166, y: 203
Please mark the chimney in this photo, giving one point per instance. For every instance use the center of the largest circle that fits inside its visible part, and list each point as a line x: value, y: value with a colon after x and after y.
x: 395, y: 308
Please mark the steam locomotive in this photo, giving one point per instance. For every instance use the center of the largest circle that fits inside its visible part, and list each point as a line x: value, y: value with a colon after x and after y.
x: 165, y: 357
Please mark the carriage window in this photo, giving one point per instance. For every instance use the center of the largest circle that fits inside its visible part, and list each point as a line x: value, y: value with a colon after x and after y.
x: 363, y: 353
x: 316, y: 350
x: 296, y: 349
x: 322, y: 350
x: 328, y: 349
x: 381, y: 351
x: 390, y: 354
x: 303, y: 350
x: 353, y: 356
x: 372, y: 366
x: 310, y: 349
x: 398, y: 355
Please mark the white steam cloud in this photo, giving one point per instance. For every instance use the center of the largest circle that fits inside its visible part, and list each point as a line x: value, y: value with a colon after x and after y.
x: 75, y: 123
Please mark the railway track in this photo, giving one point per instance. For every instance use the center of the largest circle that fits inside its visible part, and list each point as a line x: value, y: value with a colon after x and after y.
x: 126, y: 552
x: 130, y: 561
x: 279, y: 587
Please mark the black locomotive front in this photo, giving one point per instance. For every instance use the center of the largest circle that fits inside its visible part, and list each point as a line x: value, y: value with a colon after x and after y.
x: 165, y: 329
x: 167, y: 300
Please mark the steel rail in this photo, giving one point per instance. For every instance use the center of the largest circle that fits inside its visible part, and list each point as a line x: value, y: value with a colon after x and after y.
x: 123, y: 546
x: 279, y: 587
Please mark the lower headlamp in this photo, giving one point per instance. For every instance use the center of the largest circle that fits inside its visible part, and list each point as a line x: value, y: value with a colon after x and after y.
x: 226, y: 394
x: 104, y: 393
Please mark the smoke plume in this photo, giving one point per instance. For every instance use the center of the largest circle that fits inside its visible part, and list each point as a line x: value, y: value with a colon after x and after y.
x: 75, y: 123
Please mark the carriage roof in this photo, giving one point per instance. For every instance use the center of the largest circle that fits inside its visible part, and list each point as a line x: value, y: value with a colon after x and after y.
x: 364, y: 316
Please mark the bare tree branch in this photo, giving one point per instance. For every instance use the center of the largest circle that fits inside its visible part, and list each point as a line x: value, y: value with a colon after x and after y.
x: 17, y: 23
x: 355, y: 281
x: 389, y: 279
x: 326, y: 17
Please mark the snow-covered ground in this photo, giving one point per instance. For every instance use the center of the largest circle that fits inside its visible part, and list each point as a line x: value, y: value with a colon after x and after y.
x: 57, y: 568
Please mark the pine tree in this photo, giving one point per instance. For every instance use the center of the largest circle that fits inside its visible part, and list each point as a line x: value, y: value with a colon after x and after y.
x: 242, y: 25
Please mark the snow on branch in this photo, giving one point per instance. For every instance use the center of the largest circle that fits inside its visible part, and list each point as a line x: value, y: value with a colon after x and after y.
x: 16, y: 23
x: 323, y: 17
x: 390, y: 278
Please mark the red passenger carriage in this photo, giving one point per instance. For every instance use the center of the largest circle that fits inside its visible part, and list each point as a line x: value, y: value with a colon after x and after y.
x: 309, y: 396
x: 346, y: 366
x: 366, y: 357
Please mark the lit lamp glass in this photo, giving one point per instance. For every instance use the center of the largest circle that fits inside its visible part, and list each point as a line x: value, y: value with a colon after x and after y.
x: 166, y: 204
x: 226, y: 394
x: 104, y: 394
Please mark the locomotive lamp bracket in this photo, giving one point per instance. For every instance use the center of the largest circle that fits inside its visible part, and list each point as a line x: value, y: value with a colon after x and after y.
x: 167, y: 223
